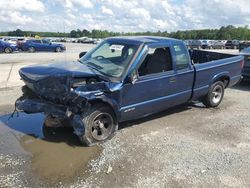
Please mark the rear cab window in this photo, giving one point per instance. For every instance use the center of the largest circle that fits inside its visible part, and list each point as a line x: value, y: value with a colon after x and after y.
x: 45, y: 41
x: 36, y: 41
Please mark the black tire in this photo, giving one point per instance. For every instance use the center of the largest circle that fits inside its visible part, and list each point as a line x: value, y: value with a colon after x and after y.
x: 215, y: 95
x: 58, y: 49
x: 8, y: 50
x: 31, y: 49
x: 97, y: 132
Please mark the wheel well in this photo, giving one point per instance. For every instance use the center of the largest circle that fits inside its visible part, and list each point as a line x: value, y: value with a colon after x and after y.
x: 225, y: 80
x: 7, y: 47
x: 100, y: 102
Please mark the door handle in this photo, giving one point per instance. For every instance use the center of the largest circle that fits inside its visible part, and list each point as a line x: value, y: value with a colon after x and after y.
x: 172, y: 79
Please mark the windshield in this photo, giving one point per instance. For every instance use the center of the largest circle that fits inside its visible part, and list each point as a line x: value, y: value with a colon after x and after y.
x: 110, y: 58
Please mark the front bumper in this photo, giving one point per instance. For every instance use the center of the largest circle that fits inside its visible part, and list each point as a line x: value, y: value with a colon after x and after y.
x: 56, y: 110
x: 37, y: 105
x: 63, y: 48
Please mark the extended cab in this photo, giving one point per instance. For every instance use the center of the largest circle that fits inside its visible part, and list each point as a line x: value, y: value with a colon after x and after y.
x: 125, y: 78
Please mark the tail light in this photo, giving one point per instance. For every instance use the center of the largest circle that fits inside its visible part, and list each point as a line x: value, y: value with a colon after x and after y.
x: 242, y: 64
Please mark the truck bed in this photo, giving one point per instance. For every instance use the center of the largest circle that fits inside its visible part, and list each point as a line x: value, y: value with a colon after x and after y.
x: 200, y: 56
x: 210, y: 66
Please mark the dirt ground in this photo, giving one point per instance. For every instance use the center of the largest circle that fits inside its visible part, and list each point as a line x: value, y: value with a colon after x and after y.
x: 188, y: 146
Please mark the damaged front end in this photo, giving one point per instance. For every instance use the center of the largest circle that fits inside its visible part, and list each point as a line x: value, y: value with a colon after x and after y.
x: 61, y: 98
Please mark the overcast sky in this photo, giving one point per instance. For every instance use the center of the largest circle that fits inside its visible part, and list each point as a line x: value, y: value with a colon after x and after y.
x: 119, y: 15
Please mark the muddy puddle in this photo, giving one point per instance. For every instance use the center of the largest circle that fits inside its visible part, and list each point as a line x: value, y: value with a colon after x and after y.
x: 56, y: 154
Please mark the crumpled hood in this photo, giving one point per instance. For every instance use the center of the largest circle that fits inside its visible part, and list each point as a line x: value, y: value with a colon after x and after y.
x: 67, y: 69
x: 55, y: 82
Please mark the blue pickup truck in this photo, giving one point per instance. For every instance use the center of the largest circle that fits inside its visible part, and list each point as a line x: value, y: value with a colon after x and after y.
x: 125, y: 78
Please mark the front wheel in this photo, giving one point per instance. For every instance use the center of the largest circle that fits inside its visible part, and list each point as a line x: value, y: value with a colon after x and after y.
x: 100, y: 125
x: 215, y: 95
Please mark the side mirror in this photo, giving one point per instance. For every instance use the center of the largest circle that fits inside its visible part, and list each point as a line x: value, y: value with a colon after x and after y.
x: 82, y: 54
x: 133, y: 77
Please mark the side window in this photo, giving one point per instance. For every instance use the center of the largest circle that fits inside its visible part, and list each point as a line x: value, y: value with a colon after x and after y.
x: 37, y: 41
x: 157, y: 60
x: 182, y: 59
x: 45, y: 42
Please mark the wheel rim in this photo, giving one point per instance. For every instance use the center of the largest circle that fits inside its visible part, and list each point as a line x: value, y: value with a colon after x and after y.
x: 31, y: 49
x: 217, y: 94
x: 102, y: 126
x: 7, y: 50
x: 58, y: 49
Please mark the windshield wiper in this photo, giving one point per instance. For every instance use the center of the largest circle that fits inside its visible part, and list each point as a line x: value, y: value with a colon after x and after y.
x: 96, y: 68
x: 79, y: 60
x: 94, y: 65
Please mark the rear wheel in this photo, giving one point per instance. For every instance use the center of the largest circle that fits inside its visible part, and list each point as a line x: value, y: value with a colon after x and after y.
x: 100, y: 125
x: 215, y: 94
x: 58, y: 49
x: 31, y: 49
x: 8, y: 50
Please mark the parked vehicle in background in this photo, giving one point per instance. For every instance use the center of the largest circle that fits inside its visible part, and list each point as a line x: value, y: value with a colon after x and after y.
x: 217, y: 44
x: 206, y: 44
x: 19, y: 42
x: 33, y: 45
x: 10, y: 40
x: 244, y: 44
x: 88, y: 41
x: 74, y: 40
x: 125, y: 78
x: 232, y: 44
x: 194, y: 44
x: 97, y: 41
x: 7, y: 47
x: 246, y: 68
x: 81, y: 39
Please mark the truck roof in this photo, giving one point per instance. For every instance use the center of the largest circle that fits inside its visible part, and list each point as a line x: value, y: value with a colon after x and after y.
x: 142, y: 39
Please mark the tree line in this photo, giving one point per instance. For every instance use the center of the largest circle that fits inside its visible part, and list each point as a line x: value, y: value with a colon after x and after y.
x: 224, y: 33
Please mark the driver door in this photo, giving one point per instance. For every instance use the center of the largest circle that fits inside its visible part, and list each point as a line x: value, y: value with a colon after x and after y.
x: 156, y: 91
x: 45, y: 45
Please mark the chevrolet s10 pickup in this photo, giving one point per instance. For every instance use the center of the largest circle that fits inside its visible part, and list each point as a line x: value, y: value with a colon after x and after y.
x: 125, y: 78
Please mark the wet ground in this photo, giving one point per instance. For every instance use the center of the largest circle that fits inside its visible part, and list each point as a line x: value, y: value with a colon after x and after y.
x: 55, y: 155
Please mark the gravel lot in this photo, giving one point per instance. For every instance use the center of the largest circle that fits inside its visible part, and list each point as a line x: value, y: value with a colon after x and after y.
x: 188, y: 146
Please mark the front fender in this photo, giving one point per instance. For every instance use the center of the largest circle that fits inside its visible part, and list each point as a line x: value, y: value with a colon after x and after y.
x: 113, y: 104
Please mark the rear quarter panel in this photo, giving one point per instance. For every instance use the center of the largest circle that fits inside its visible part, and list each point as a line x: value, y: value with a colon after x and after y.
x: 208, y: 73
